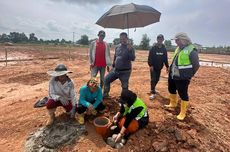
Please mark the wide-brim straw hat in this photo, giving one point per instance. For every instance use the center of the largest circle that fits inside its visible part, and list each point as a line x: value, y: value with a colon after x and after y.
x: 59, y: 71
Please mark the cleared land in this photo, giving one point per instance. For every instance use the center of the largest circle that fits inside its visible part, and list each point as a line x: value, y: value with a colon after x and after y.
x: 205, y: 129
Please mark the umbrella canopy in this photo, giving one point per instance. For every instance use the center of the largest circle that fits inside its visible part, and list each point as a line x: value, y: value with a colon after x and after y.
x: 129, y: 16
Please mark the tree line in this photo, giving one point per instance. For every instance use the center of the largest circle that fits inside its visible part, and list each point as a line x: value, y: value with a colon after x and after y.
x: 16, y: 37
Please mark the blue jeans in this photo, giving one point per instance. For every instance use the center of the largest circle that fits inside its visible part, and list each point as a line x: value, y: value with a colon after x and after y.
x: 123, y: 76
x: 94, y: 72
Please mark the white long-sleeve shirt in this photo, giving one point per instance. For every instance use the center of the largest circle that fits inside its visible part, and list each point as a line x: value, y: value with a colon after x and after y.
x: 66, y: 91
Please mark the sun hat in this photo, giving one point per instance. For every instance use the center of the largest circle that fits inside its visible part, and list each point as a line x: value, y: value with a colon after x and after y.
x: 59, y: 71
x: 181, y: 36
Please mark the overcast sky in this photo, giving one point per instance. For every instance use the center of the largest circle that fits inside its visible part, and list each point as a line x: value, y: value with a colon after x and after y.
x: 207, y: 22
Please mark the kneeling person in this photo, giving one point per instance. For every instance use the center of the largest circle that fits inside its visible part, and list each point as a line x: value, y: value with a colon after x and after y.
x: 90, y: 99
x: 133, y: 114
x: 61, y: 93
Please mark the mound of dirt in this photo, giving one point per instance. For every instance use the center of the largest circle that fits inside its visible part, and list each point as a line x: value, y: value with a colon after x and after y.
x: 29, y: 79
x: 50, y: 138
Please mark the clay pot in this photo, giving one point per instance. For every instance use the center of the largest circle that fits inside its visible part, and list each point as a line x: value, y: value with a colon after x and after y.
x: 102, y: 125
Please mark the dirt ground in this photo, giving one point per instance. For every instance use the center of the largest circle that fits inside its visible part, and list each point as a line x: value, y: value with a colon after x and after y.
x: 206, y: 127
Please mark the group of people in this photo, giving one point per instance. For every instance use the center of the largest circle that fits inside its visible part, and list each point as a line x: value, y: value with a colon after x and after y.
x: 133, y: 113
x: 185, y: 63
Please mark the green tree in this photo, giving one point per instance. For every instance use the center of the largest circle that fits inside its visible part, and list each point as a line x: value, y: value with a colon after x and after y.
x: 84, y: 40
x: 17, y: 37
x: 168, y: 44
x: 145, y: 42
x: 33, y: 38
x: 23, y: 37
x: 4, y: 38
x: 116, y: 41
x: 63, y: 41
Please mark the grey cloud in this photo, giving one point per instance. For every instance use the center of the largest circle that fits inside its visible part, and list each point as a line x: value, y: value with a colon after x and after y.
x: 52, y: 26
x: 3, y: 28
x: 93, y: 2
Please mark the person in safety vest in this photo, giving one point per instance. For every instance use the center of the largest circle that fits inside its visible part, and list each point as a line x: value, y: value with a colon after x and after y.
x: 133, y: 114
x: 184, y: 65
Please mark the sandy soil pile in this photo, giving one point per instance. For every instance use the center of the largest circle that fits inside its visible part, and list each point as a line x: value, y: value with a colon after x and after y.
x: 206, y: 127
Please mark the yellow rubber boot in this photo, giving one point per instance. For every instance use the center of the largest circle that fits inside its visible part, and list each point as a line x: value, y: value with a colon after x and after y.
x: 183, y: 109
x: 173, y: 101
x: 51, y: 116
x: 81, y: 119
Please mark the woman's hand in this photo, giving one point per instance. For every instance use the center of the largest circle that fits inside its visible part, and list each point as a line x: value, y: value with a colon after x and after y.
x: 118, y: 138
x: 115, y: 118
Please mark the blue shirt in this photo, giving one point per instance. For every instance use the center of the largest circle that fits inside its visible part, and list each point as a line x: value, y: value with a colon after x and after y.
x: 87, y: 97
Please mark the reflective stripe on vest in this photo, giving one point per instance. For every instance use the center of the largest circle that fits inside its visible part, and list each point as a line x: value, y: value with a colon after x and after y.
x: 185, y: 67
x: 138, y: 103
x: 183, y: 57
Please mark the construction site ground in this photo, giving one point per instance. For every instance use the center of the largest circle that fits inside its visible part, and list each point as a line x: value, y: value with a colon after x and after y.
x: 206, y: 127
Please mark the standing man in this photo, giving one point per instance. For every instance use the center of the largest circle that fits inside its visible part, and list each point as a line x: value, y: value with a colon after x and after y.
x: 184, y: 65
x: 99, y: 57
x: 156, y: 60
x: 122, y: 66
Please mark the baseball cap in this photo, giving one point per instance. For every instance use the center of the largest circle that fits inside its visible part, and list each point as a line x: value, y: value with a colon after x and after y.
x: 160, y: 36
x: 101, y: 33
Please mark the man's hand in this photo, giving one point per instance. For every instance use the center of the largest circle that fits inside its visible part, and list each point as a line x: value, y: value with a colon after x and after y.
x: 91, y: 66
x: 115, y: 118
x: 130, y: 47
x: 167, y: 69
x: 107, y: 68
x: 151, y: 68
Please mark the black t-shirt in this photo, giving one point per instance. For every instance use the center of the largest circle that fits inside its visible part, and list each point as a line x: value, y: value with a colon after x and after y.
x: 158, y: 57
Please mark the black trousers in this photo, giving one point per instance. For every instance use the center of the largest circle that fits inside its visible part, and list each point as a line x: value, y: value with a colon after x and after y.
x: 143, y: 122
x: 155, y: 77
x: 81, y: 108
x: 181, y: 86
